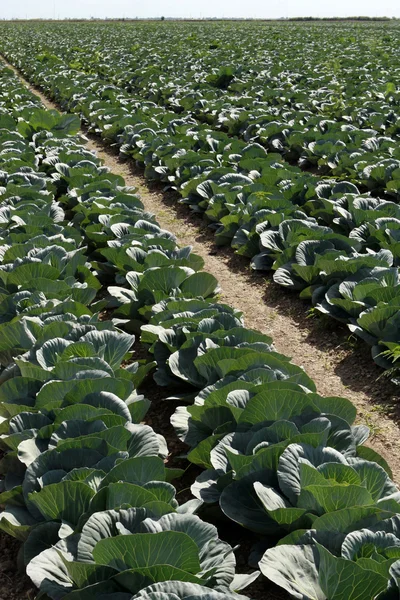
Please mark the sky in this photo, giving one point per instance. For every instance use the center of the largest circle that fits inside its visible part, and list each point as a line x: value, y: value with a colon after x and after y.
x: 195, y: 9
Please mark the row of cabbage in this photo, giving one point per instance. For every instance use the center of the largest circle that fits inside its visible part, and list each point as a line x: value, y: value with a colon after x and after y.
x: 85, y: 484
x: 323, y: 238
x: 339, y: 115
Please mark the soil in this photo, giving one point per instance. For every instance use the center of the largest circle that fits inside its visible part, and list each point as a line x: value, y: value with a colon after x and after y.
x: 14, y: 585
x: 339, y: 364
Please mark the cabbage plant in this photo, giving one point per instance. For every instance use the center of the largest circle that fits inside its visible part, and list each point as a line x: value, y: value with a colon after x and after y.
x: 125, y: 551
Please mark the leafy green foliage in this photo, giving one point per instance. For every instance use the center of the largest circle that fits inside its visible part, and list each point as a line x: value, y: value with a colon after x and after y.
x: 365, y: 565
x: 240, y: 151
x: 279, y: 459
x: 129, y: 550
x: 75, y: 451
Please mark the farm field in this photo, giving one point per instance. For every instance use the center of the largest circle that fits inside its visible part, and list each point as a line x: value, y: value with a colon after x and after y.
x: 286, y: 138
x: 230, y: 125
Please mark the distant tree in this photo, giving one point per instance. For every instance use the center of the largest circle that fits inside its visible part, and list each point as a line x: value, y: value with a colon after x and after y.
x: 162, y: 18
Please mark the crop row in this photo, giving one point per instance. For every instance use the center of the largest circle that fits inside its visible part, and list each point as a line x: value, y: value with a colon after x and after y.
x: 85, y: 484
x: 335, y: 118
x: 313, y: 112
x: 289, y: 98
x: 82, y: 476
x: 322, y: 237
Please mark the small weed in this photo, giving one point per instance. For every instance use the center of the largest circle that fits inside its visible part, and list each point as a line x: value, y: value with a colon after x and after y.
x: 393, y: 353
x: 352, y: 341
x: 373, y: 427
x: 382, y: 409
x: 313, y: 313
x: 327, y: 364
x: 389, y: 373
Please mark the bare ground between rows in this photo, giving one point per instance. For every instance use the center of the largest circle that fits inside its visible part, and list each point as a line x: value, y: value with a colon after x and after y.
x: 339, y: 365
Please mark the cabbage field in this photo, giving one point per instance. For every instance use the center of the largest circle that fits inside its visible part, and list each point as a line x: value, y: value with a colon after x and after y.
x: 286, y: 136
